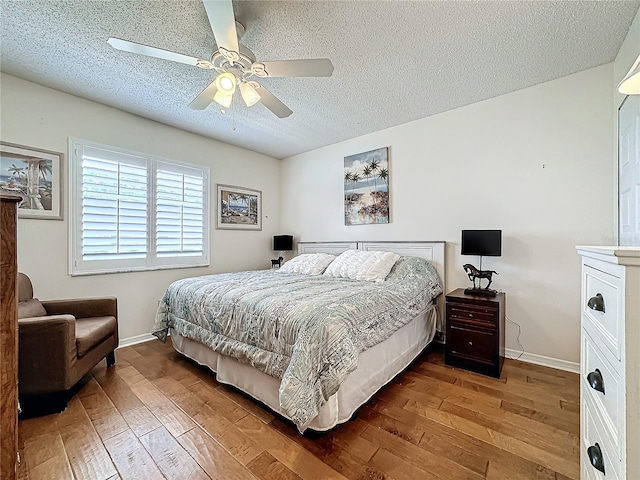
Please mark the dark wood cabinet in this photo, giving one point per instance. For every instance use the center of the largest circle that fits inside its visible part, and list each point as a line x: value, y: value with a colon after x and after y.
x: 8, y: 339
x: 475, y: 332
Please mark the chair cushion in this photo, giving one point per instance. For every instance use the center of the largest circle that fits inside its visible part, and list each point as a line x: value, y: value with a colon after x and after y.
x: 31, y: 308
x: 91, y: 331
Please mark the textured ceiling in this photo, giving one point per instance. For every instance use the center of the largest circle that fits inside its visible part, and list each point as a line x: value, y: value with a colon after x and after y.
x: 395, y: 61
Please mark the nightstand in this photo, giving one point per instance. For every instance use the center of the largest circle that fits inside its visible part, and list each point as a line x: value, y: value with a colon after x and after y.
x: 475, y: 332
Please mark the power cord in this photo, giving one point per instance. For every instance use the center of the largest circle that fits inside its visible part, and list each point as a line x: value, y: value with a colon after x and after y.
x: 517, y: 339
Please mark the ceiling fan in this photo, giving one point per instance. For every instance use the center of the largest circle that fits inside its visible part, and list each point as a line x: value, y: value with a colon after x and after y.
x: 234, y: 63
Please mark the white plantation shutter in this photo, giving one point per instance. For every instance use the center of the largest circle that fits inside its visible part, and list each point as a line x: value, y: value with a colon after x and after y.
x: 179, y: 211
x: 133, y: 212
x: 114, y: 207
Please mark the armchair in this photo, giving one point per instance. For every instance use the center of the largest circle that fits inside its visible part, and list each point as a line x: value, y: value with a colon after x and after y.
x: 60, y: 341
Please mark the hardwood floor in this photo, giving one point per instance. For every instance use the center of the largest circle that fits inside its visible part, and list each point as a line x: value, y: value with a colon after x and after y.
x: 157, y: 415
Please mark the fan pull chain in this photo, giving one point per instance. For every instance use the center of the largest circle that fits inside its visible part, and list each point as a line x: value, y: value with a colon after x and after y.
x: 223, y: 111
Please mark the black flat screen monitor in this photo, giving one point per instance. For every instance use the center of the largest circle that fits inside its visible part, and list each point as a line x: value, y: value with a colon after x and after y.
x: 482, y: 242
x: 282, y: 243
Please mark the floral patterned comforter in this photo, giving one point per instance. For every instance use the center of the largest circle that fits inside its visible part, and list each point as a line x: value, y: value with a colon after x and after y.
x: 305, y: 330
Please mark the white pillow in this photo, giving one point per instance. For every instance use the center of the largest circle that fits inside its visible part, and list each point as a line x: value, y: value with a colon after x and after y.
x: 308, y: 264
x: 358, y: 265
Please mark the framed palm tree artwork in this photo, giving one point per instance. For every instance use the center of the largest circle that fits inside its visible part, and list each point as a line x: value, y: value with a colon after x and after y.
x: 239, y: 208
x: 366, y: 187
x: 35, y: 175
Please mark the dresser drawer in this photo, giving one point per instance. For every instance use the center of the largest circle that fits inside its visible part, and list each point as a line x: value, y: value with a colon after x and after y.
x: 601, y: 304
x: 481, y: 316
x: 596, y: 370
x: 594, y: 435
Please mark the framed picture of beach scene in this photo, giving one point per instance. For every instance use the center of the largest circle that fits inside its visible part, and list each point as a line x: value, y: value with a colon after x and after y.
x: 366, y: 187
x: 36, y: 176
x: 239, y: 208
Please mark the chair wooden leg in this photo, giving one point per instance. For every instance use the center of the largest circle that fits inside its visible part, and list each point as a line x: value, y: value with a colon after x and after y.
x: 111, y: 359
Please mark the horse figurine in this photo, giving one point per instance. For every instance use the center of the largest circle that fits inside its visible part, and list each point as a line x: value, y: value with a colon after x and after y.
x: 277, y: 262
x: 474, y: 274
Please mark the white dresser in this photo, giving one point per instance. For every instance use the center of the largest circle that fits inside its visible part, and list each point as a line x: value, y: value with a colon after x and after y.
x: 610, y: 363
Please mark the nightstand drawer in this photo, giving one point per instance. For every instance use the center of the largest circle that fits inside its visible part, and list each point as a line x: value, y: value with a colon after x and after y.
x: 478, y: 345
x: 481, y: 316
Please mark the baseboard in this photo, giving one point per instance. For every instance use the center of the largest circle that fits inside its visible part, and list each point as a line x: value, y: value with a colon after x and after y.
x: 565, y: 365
x: 573, y: 367
x: 125, y: 342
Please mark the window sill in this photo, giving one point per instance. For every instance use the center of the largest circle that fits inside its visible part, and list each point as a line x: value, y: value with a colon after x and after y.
x: 135, y: 269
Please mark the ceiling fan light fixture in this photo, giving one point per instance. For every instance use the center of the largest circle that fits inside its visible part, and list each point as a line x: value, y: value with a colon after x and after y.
x: 222, y: 99
x: 226, y: 83
x: 249, y: 94
x: 233, y: 64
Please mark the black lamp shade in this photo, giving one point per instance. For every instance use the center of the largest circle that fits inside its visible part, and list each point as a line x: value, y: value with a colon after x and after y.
x: 482, y: 242
x: 282, y: 243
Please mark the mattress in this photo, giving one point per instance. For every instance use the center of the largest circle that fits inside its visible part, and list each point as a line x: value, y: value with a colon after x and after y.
x: 376, y: 367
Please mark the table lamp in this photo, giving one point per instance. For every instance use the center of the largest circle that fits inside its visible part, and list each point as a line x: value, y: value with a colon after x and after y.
x: 281, y: 244
x: 485, y: 243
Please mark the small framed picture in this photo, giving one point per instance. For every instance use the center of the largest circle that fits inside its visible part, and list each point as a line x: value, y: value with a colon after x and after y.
x: 36, y: 176
x: 239, y: 208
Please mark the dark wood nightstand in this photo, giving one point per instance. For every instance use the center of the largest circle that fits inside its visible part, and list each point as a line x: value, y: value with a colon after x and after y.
x: 475, y: 332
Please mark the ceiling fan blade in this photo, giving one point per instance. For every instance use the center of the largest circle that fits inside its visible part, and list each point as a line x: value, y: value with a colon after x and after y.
x: 223, y: 24
x: 133, y: 47
x: 270, y: 101
x: 316, y: 67
x: 203, y: 100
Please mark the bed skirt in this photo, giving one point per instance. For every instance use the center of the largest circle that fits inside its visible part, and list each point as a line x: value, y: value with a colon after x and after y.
x: 376, y: 367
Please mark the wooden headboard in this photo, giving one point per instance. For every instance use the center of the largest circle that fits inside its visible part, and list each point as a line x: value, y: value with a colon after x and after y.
x: 334, y: 248
x: 432, y: 251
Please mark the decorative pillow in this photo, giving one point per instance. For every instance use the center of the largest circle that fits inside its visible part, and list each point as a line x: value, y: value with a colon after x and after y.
x: 31, y: 308
x: 307, y: 264
x: 370, y: 266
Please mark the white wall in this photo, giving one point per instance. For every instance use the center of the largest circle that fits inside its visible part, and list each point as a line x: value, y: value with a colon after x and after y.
x: 41, y: 117
x: 535, y: 163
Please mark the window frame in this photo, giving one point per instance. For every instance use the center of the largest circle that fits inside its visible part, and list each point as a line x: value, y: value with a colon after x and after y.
x: 151, y: 261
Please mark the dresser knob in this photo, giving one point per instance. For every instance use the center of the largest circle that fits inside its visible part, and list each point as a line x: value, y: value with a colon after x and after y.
x: 595, y: 381
x: 595, y: 457
x: 471, y: 343
x: 596, y: 303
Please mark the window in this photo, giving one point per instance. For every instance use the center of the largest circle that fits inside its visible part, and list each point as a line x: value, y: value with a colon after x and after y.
x: 131, y: 211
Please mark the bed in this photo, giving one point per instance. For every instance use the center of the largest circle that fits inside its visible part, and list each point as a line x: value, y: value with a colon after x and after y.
x: 319, y: 369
